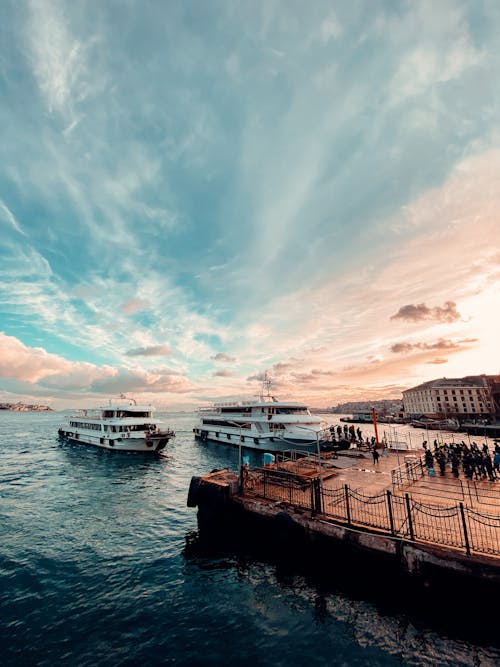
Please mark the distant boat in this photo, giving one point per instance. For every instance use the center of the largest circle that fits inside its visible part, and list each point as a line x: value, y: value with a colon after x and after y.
x: 358, y: 418
x: 436, y: 424
x: 491, y: 430
x: 266, y: 424
x: 123, y: 426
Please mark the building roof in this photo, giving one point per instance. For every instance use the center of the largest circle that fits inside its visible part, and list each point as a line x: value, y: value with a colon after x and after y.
x: 471, y: 381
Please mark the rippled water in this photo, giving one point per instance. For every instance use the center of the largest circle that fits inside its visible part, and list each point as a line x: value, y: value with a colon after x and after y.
x: 99, y: 565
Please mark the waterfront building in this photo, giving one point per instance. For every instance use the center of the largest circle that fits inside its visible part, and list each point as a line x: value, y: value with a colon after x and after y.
x: 467, y: 398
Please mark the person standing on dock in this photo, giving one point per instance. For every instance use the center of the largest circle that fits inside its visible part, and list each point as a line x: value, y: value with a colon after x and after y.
x: 489, y: 467
x: 496, y: 462
x: 441, y: 459
x: 429, y: 461
x: 375, y: 455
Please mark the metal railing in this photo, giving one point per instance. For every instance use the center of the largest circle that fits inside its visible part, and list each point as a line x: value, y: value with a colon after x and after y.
x: 399, y: 515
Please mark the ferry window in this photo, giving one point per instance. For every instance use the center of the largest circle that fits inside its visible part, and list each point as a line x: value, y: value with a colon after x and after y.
x: 228, y: 436
x: 256, y: 441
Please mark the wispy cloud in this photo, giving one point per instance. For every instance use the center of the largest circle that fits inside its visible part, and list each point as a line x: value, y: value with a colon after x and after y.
x: 135, y: 305
x: 58, y: 59
x: 224, y: 357
x: 7, y: 216
x: 152, y: 351
x: 222, y: 374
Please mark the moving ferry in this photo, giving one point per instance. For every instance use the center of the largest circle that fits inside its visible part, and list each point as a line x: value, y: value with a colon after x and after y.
x: 266, y: 424
x: 123, y: 426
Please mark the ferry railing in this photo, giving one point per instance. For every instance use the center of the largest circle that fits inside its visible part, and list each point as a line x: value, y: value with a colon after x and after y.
x: 400, y: 515
x: 279, y: 485
x: 483, y: 531
x: 473, y: 492
x: 480, y: 495
x: 409, y: 471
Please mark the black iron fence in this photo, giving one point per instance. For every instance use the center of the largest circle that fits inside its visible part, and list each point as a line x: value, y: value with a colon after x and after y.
x: 456, y: 525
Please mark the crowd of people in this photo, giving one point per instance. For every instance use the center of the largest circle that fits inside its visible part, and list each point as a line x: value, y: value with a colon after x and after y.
x: 347, y: 433
x: 476, y: 463
x: 473, y: 461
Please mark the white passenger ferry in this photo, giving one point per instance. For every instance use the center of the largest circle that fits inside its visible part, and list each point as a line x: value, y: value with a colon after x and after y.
x: 266, y: 424
x: 122, y: 426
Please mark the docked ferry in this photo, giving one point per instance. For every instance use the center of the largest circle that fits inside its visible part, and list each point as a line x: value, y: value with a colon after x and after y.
x: 121, y: 426
x: 266, y: 424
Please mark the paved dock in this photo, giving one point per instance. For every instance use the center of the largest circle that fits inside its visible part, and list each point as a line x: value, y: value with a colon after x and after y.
x: 357, y: 469
x: 393, y: 495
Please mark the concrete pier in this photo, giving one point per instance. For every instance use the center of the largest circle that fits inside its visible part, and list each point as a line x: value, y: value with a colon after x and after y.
x: 225, y: 510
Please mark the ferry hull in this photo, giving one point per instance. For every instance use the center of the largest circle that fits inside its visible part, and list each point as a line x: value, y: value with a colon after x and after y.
x: 152, y: 444
x: 272, y: 444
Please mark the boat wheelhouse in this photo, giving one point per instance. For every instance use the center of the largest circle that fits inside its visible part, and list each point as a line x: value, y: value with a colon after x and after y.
x: 121, y: 426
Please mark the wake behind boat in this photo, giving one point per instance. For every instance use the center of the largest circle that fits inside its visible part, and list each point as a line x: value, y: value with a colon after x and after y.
x: 123, y: 426
x: 266, y: 424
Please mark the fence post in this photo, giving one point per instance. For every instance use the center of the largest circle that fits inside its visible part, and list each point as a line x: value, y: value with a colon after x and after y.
x: 389, y: 506
x: 348, y: 509
x: 319, y: 497
x: 464, y: 524
x: 264, y: 484
x: 410, y: 522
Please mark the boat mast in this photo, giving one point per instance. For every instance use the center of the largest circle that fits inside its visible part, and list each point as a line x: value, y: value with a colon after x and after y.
x: 266, y: 387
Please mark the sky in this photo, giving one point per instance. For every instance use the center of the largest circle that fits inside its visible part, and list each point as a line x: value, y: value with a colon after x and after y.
x: 195, y: 193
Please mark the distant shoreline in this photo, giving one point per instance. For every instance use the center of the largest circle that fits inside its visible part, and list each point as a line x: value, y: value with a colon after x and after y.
x: 24, y: 407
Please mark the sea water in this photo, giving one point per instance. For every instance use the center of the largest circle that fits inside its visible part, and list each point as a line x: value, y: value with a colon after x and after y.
x: 100, y: 565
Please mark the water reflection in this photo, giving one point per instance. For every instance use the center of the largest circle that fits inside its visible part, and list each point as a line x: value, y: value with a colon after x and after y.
x: 380, y: 609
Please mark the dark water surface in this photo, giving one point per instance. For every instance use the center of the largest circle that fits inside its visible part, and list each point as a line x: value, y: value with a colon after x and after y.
x: 100, y: 565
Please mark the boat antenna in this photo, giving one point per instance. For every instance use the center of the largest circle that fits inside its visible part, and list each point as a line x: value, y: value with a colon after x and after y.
x: 266, y: 387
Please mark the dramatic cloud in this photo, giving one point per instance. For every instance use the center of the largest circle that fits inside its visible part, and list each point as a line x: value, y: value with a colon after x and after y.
x: 242, y: 238
x: 151, y: 351
x: 442, y: 344
x: 31, y: 364
x: 416, y: 313
x: 52, y: 372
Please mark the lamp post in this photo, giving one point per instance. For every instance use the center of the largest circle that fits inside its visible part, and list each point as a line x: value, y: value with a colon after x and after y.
x: 240, y: 468
x: 374, y: 419
x: 316, y: 433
